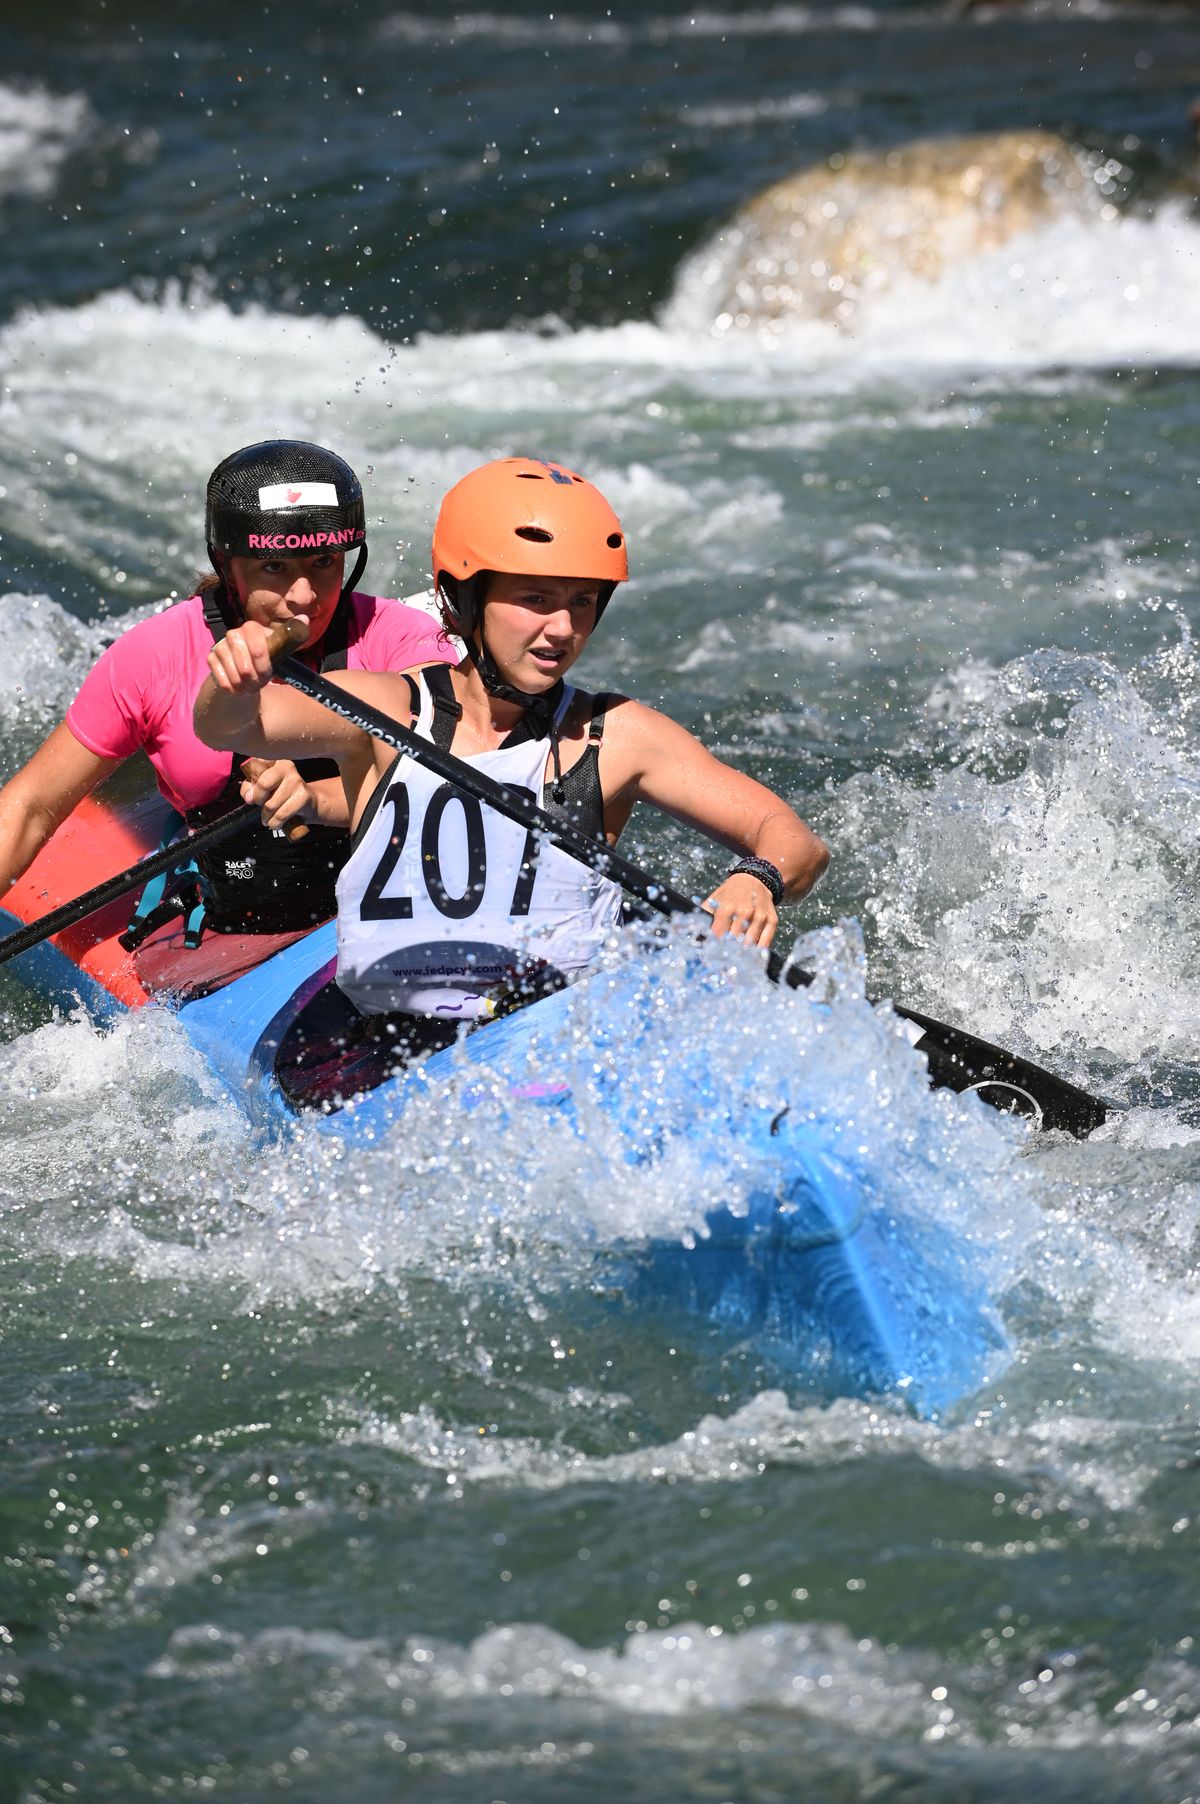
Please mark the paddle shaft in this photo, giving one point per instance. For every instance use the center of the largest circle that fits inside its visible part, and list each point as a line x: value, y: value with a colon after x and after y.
x: 513, y: 803
x: 167, y: 859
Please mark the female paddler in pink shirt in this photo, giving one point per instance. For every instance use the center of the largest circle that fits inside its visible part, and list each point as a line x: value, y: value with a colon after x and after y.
x: 281, y: 519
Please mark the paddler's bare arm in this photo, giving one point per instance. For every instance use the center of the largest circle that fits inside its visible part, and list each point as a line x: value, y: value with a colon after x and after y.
x: 239, y: 707
x: 41, y: 795
x: 650, y: 758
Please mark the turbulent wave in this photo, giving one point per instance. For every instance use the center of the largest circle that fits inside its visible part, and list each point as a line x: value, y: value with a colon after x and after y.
x: 89, y: 1112
x: 119, y: 512
x: 345, y: 1471
x: 1082, y: 292
x: 1090, y: 1460
x: 47, y: 656
x: 819, y: 1671
x: 485, y: 1196
x: 1049, y: 869
x: 38, y: 131
x: 656, y: 28
x: 730, y: 113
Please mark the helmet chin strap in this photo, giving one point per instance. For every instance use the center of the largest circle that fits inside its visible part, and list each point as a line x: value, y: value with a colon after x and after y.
x: 351, y: 582
x: 540, y: 710
x: 221, y: 598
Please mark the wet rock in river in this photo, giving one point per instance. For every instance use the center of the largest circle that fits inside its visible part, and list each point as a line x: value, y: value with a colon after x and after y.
x: 819, y: 243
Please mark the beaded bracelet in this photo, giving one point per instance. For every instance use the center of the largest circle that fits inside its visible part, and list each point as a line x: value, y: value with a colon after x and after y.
x: 764, y: 870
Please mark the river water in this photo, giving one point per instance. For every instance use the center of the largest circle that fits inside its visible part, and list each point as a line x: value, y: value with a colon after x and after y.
x: 327, y: 1472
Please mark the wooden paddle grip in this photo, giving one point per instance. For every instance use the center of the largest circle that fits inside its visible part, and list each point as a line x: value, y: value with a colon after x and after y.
x: 282, y: 640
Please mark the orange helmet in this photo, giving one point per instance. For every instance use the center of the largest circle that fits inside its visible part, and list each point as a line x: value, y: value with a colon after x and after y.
x: 524, y: 517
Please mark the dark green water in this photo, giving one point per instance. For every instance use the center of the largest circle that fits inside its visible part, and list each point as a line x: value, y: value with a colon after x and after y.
x: 334, y: 1475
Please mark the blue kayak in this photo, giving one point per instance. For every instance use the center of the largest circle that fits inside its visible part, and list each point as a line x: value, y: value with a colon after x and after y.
x: 787, y: 1250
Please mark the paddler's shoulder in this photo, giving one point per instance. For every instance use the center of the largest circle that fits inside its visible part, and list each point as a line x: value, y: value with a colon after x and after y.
x: 174, y: 637
x: 623, y: 717
x: 638, y: 738
x: 388, y: 690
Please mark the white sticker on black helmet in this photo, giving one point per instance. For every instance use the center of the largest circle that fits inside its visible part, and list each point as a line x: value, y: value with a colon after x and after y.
x: 281, y: 496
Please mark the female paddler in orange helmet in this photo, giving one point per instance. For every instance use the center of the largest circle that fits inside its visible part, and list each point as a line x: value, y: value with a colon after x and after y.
x: 439, y: 904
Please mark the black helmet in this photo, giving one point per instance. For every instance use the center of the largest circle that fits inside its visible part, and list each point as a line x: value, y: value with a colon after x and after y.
x: 284, y: 497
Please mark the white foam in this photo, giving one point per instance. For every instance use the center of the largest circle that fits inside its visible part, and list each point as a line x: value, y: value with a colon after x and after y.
x: 47, y: 654
x: 110, y: 506
x: 499, y: 1207
x: 255, y: 374
x: 1147, y: 1129
x: 500, y: 1198
x: 818, y: 1670
x: 1057, y: 891
x: 989, y: 12
x: 1058, y: 1461
x: 506, y: 29
x: 84, y: 1110
x: 193, y: 1542
x: 821, y: 1670
x: 783, y: 21
x: 38, y: 131
x: 858, y: 1697
x: 792, y: 106
x: 114, y: 503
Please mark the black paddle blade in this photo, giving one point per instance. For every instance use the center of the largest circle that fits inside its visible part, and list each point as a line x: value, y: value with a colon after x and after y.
x: 961, y: 1061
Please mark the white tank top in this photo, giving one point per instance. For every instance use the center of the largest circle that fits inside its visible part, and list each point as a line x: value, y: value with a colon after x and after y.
x: 443, y: 900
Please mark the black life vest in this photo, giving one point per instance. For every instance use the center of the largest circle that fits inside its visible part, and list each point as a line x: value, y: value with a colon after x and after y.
x: 257, y: 881
x: 574, y: 793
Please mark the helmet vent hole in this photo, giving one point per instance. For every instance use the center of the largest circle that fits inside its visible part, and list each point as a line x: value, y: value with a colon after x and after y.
x: 538, y: 534
x: 614, y: 540
x: 529, y: 476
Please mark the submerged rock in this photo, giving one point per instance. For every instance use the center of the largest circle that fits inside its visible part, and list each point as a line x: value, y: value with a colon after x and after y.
x: 817, y: 244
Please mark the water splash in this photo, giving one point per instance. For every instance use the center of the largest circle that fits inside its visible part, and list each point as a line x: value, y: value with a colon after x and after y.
x: 1069, y: 1463
x: 504, y: 29
x: 849, y: 1687
x: 47, y: 655
x: 1047, y: 872
x: 474, y: 1183
x: 38, y: 131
